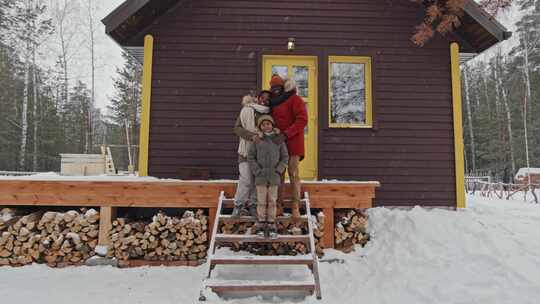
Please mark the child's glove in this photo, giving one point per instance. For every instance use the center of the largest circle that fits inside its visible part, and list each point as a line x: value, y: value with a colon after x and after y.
x: 279, y: 139
x: 256, y: 138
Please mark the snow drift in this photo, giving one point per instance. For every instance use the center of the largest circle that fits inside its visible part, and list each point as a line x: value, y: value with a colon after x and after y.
x: 488, y: 253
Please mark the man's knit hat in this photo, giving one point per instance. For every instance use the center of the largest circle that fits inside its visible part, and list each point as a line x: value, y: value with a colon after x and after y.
x: 265, y: 118
x: 276, y: 81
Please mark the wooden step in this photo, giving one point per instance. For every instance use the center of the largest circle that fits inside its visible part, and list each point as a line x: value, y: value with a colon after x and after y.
x: 229, y: 203
x: 231, y: 200
x: 261, y: 260
x: 227, y: 218
x: 251, y: 238
x: 221, y: 286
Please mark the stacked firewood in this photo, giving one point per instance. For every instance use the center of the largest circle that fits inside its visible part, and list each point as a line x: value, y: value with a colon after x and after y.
x: 283, y: 228
x: 165, y: 238
x: 55, y: 238
x: 8, y: 217
x: 350, y: 229
x: 318, y: 232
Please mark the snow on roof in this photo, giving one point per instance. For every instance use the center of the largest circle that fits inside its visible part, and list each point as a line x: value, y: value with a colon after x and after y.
x: 525, y: 171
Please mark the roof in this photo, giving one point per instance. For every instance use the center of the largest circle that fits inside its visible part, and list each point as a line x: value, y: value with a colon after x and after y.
x: 128, y: 24
x: 523, y: 172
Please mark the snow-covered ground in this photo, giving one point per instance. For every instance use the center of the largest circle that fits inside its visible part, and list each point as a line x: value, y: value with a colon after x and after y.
x: 488, y: 253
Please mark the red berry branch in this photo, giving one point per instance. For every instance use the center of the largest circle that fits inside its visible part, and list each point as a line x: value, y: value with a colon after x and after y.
x: 443, y: 16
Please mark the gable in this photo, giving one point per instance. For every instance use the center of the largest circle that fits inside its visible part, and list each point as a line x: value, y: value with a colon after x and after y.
x: 128, y: 24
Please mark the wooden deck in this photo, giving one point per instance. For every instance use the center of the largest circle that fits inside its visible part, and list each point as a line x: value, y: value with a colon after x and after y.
x: 107, y: 195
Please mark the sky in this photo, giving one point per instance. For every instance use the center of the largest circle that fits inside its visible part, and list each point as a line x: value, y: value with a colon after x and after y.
x: 109, y: 53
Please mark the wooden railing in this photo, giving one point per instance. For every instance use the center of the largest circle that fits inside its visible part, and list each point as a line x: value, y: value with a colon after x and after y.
x: 502, y: 190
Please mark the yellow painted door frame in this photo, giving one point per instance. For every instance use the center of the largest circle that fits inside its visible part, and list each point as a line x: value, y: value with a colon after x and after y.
x: 288, y: 65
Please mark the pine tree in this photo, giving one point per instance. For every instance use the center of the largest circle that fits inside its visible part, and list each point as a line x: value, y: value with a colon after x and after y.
x: 6, y: 16
x: 527, y: 56
x: 73, y: 115
x: 10, y: 77
x: 507, y: 102
x: 125, y: 104
x: 29, y: 25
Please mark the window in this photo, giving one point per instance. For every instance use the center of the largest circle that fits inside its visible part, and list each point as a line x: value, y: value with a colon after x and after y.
x: 281, y: 70
x: 301, y: 76
x: 350, y: 95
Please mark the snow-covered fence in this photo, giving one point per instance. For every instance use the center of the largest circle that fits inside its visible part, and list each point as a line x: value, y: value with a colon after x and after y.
x: 471, y: 181
x: 16, y: 173
x: 503, y: 190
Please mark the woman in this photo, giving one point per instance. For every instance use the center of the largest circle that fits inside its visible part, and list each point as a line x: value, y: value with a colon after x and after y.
x: 245, y: 128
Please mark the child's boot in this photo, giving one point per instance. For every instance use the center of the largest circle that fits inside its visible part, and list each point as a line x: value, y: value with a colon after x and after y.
x: 271, y: 231
x: 295, y: 210
x: 253, y: 209
x: 236, y: 211
x: 260, y: 229
x: 279, y: 209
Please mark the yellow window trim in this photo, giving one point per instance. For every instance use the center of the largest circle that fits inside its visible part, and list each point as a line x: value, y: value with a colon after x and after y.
x: 458, y: 127
x: 286, y: 58
x: 145, y: 107
x: 368, y: 90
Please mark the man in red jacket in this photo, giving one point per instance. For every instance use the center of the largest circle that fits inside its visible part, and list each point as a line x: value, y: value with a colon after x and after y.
x: 289, y: 112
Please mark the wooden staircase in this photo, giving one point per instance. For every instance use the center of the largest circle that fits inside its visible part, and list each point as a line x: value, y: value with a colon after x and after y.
x: 240, y: 286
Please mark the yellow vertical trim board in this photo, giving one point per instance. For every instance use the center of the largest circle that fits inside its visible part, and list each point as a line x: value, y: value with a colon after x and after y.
x: 144, y: 137
x: 458, y: 127
x: 367, y: 85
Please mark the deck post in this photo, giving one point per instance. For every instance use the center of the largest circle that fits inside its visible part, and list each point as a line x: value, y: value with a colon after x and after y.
x: 458, y: 126
x: 328, y: 238
x: 145, y: 105
x: 106, y: 215
x: 211, y: 218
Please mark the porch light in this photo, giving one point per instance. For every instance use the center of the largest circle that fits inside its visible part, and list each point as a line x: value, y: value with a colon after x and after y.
x: 291, y: 45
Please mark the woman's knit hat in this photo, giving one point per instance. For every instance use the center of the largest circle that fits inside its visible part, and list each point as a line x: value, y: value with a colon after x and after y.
x: 263, y: 92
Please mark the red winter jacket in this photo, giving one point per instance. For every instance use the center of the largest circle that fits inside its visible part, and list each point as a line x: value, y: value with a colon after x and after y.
x: 291, y: 118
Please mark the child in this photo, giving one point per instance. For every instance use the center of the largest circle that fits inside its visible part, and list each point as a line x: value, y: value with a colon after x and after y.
x: 246, y: 129
x: 267, y: 161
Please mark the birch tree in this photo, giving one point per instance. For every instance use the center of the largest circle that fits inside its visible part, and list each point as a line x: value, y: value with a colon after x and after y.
x: 528, y: 51
x: 66, y: 32
x: 91, y: 12
x: 41, y: 29
x: 26, y: 14
x: 30, y: 27
x: 469, y: 116
x: 505, y: 103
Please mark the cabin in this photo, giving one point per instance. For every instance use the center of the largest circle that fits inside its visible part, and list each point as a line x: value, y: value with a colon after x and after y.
x: 385, y: 121
x: 380, y: 108
x: 525, y: 174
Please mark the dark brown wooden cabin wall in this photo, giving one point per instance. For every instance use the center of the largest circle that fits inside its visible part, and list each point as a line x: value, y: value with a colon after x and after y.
x: 206, y: 57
